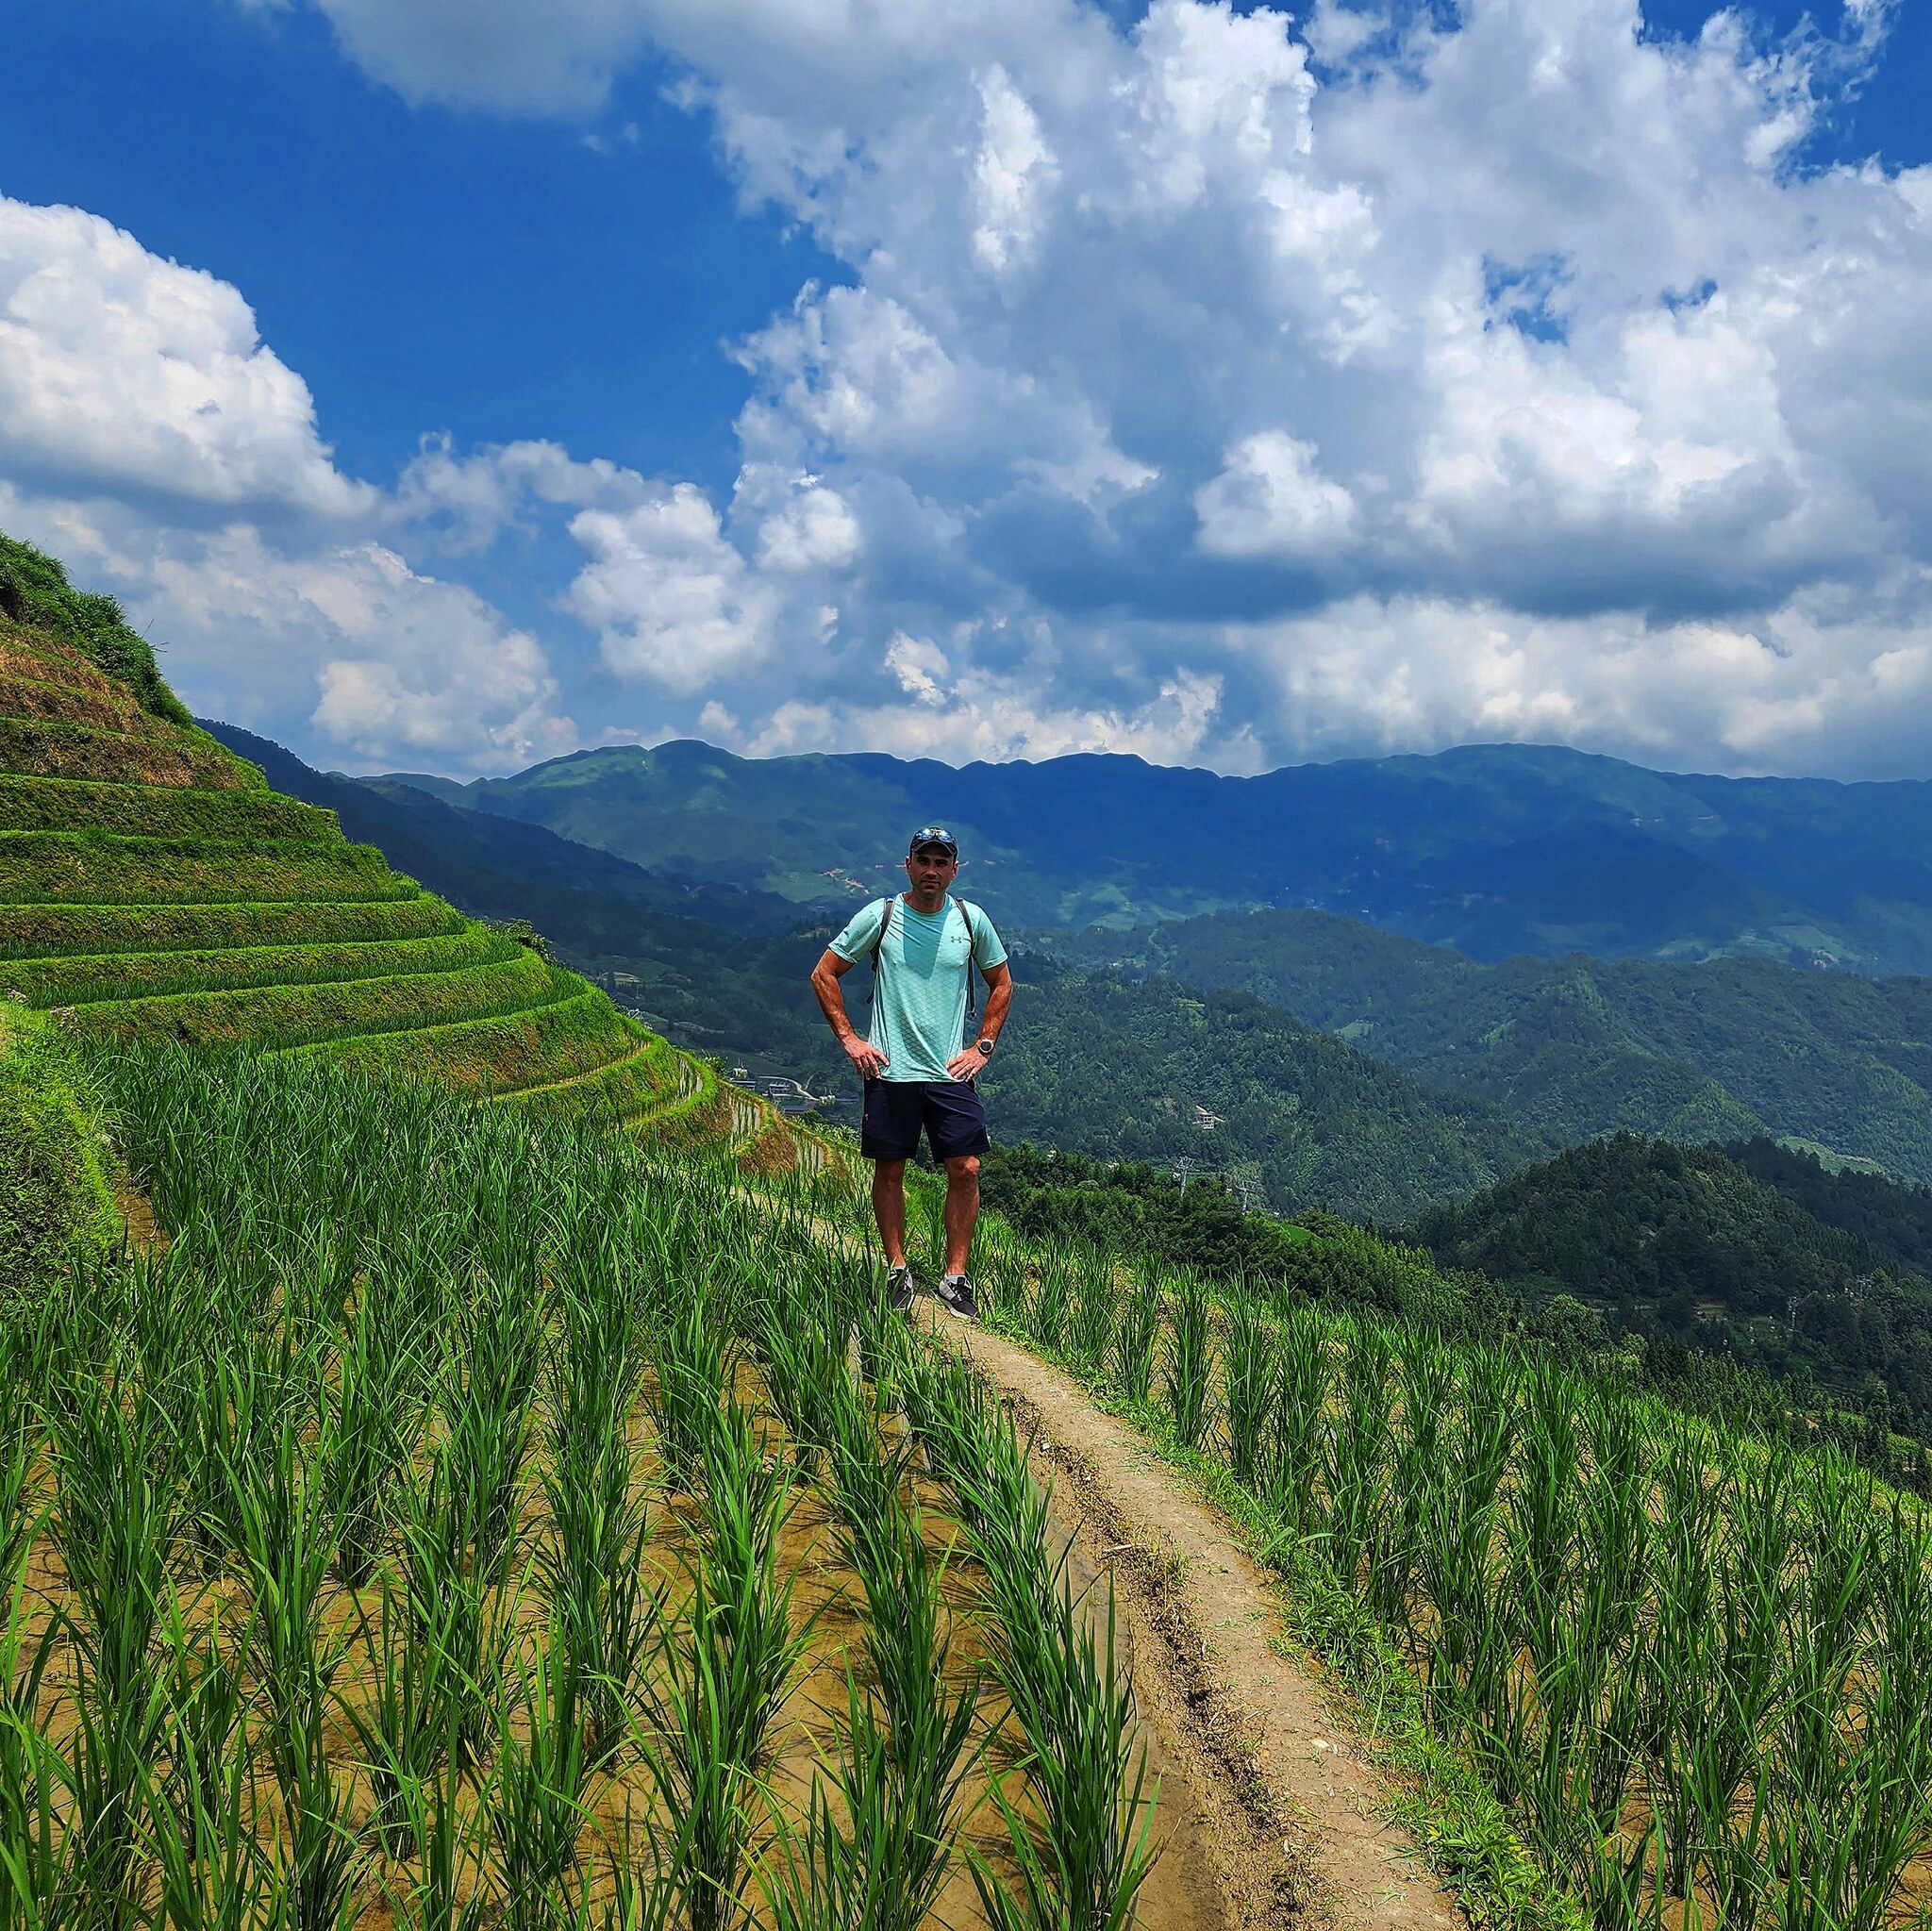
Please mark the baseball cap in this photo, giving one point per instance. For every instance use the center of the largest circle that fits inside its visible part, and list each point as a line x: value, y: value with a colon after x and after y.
x: 933, y: 835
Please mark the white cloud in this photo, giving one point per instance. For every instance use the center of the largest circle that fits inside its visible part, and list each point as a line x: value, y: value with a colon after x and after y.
x: 670, y: 598
x: 1012, y: 178
x: 150, y: 439
x: 1271, y: 500
x: 397, y: 666
x: 982, y: 717
x: 120, y: 373
x: 1520, y: 378
x: 802, y: 525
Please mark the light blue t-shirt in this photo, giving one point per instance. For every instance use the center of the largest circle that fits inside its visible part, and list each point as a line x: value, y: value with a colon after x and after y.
x: 919, y: 1003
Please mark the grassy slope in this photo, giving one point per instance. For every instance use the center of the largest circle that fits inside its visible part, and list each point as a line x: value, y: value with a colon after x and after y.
x: 55, y: 1202
x: 150, y: 880
x: 1579, y: 1046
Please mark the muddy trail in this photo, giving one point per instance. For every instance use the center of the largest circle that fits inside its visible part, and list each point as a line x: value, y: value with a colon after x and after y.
x: 1273, y: 1813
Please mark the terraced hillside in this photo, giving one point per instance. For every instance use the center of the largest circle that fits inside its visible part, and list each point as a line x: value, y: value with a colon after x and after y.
x: 152, y: 883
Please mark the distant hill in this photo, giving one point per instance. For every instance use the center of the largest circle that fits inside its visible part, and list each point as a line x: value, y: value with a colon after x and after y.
x: 1576, y: 1046
x: 1102, y: 1065
x: 1895, y: 1220
x: 1495, y: 849
x: 1683, y: 1244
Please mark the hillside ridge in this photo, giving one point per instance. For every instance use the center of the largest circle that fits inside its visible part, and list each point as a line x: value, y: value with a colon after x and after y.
x: 154, y: 887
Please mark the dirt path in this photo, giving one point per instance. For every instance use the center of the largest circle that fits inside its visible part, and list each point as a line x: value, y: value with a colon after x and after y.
x: 1274, y: 1797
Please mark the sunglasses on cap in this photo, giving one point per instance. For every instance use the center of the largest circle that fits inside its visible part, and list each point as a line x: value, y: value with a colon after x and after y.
x: 933, y: 835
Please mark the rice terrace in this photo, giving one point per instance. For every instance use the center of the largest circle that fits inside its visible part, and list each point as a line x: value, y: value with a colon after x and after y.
x: 456, y: 1469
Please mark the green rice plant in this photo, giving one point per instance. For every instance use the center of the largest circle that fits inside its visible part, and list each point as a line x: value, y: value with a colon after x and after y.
x: 1000, y: 1272
x: 1680, y: 1652
x: 82, y: 979
x: 411, y: 1714
x: 694, y: 1358
x: 900, y: 1784
x: 113, y: 1522
x: 211, y: 1871
x: 446, y: 1850
x: 1096, y: 1308
x: 1084, y: 1768
x: 486, y: 1403
x: 49, y: 931
x: 1468, y: 1644
x: 1730, y: 1767
x: 1542, y: 1513
x: 1131, y: 1362
x: 538, y: 1813
x: 92, y: 868
x: 1843, y: 1817
x: 1248, y: 1369
x: 1355, y: 1466
x: 884, y: 1871
x: 38, y: 1845
x: 594, y: 1565
x: 728, y: 1656
x: 1294, y: 1433
x: 1186, y: 1365
x: 1426, y: 1372
x: 1851, y: 1833
x: 289, y: 1543
x: 72, y: 804
x: 1053, y: 1298
x: 369, y: 1431
x: 536, y: 1044
x: 1088, y: 1777
x: 801, y: 1374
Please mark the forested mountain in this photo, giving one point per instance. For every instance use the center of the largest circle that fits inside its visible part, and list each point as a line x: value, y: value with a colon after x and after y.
x: 1576, y: 1046
x: 1497, y: 849
x: 1110, y: 1067
x: 1684, y: 1242
x: 1895, y: 1219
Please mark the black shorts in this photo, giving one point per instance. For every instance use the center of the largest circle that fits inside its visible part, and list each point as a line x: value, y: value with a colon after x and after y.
x: 895, y: 1109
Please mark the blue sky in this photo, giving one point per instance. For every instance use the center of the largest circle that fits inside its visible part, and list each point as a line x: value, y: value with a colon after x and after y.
x: 970, y: 392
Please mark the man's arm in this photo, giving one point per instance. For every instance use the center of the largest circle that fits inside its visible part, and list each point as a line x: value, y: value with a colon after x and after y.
x: 999, y: 997
x: 825, y: 975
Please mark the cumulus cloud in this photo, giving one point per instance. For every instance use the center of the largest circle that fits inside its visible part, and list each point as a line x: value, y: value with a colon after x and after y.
x: 152, y: 440
x: 1271, y: 500
x: 669, y: 597
x: 121, y: 372
x: 1396, y: 380
x: 982, y: 717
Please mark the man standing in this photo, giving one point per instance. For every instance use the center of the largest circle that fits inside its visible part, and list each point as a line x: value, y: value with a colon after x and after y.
x: 918, y: 1068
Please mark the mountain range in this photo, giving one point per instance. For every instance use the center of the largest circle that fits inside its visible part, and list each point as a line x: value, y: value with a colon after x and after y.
x: 1574, y: 1047
x: 1497, y: 850
x: 1359, y: 1068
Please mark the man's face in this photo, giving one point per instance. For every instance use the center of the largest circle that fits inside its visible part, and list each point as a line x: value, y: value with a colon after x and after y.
x: 931, y: 871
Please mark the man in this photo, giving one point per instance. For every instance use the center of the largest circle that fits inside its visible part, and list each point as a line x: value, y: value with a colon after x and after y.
x: 916, y: 1064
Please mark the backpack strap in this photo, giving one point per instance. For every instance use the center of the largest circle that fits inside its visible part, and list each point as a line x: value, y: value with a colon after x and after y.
x: 966, y: 912
x: 879, y: 944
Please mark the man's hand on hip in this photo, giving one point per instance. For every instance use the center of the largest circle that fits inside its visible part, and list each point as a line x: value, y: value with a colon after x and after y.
x: 867, y: 1057
x: 967, y: 1066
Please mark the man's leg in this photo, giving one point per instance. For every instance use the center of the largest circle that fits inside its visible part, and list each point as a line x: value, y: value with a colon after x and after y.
x: 962, y: 1210
x: 888, y: 1207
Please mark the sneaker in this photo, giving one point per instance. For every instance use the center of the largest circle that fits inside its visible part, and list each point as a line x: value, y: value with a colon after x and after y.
x: 899, y: 1289
x: 955, y: 1295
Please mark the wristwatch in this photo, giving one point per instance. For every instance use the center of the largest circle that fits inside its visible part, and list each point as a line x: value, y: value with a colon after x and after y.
x: 984, y: 1048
